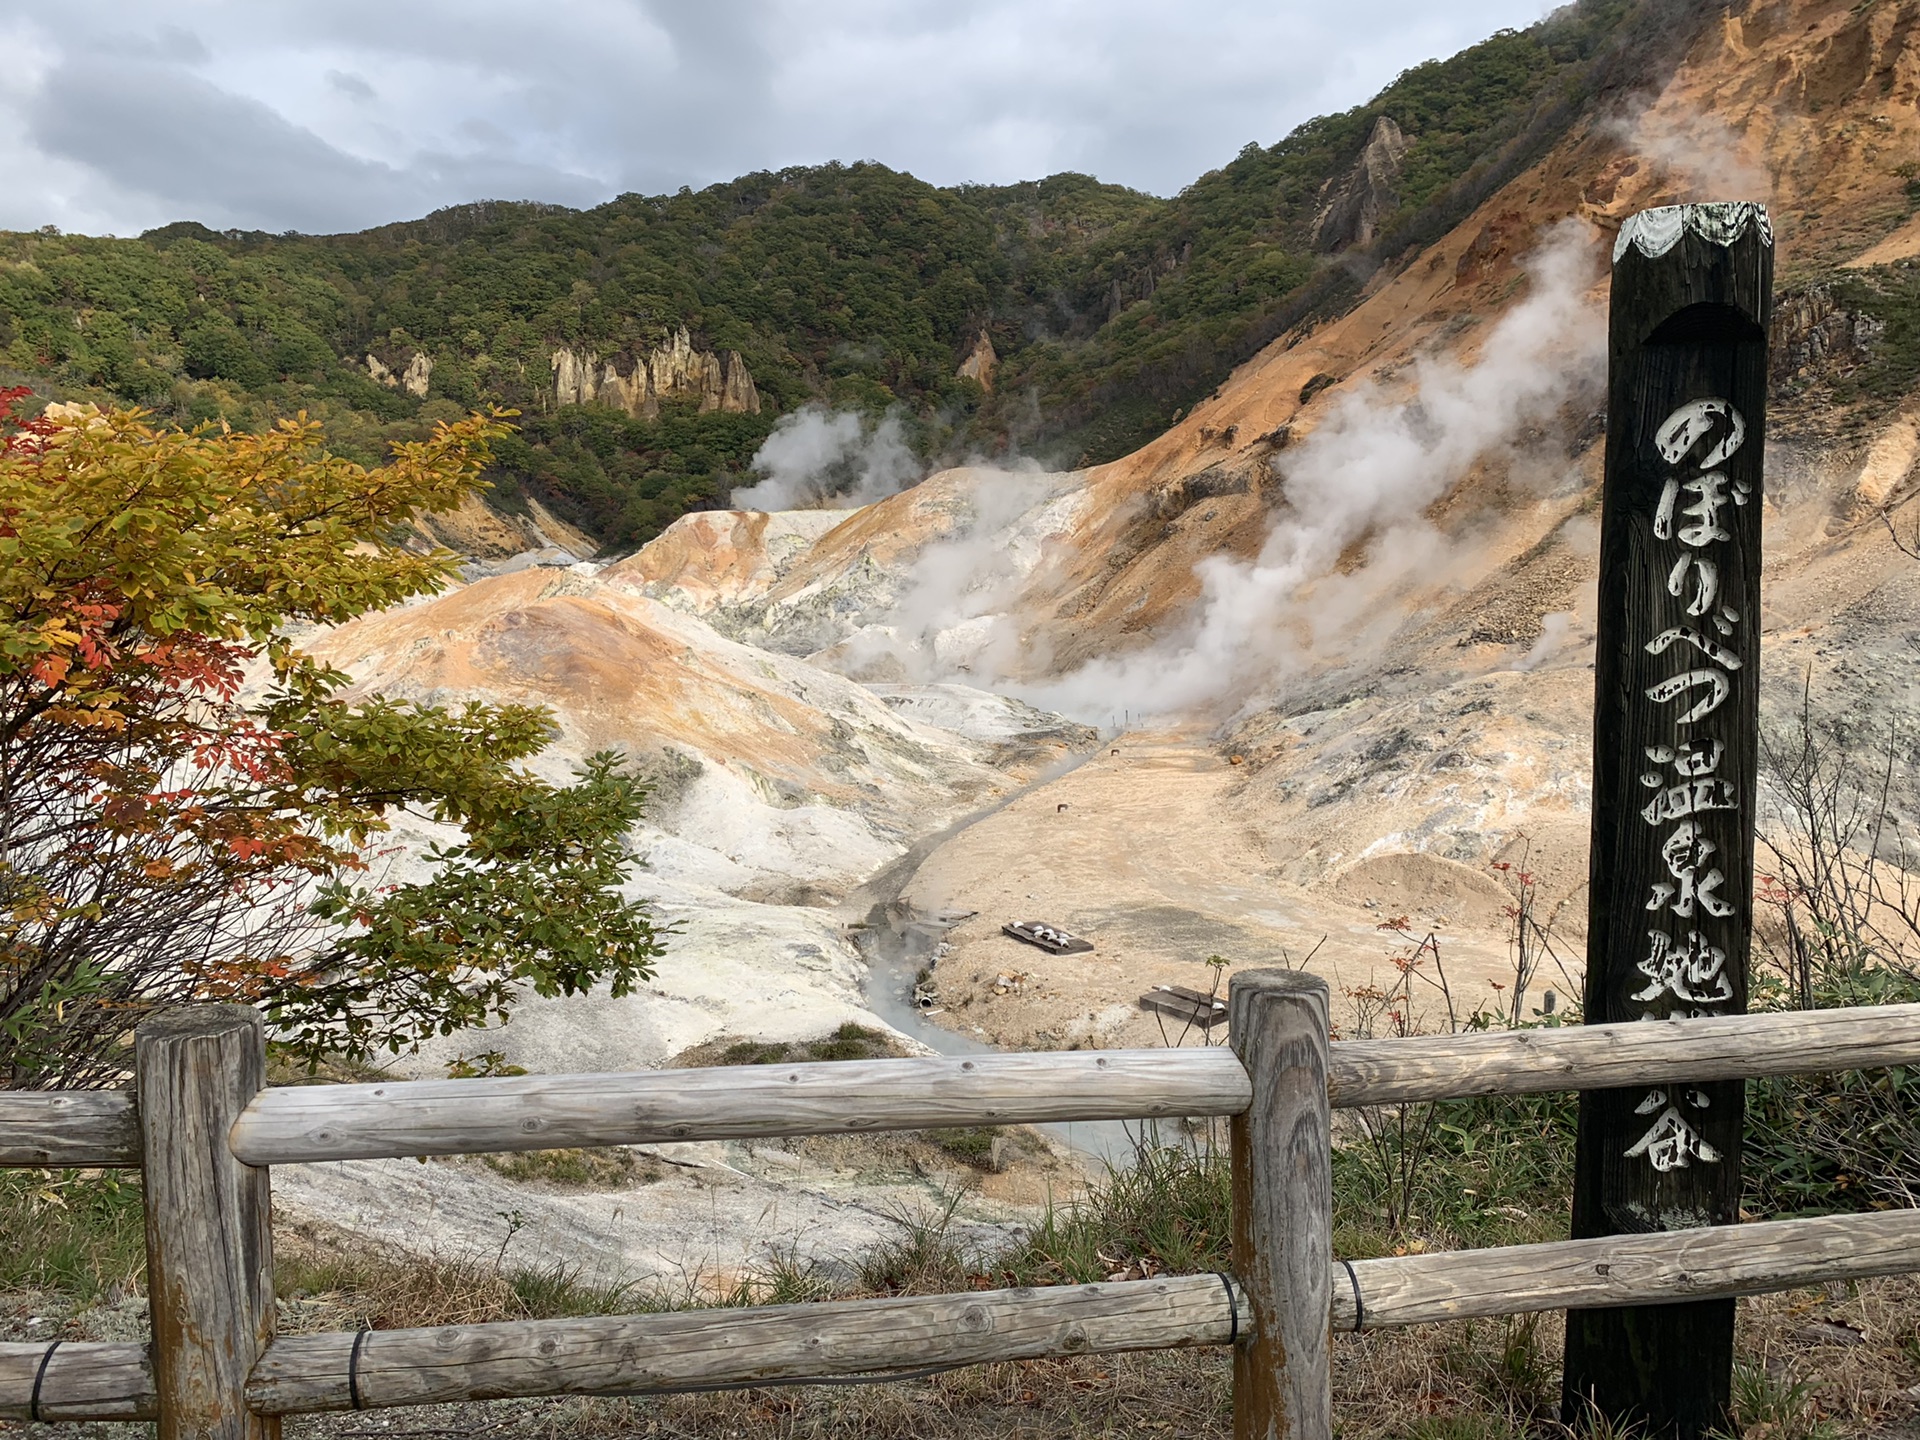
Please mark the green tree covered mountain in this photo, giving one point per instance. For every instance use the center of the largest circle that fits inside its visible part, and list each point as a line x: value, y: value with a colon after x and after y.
x: 855, y: 285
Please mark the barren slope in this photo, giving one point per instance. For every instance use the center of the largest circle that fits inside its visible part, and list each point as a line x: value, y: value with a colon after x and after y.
x: 1432, y: 717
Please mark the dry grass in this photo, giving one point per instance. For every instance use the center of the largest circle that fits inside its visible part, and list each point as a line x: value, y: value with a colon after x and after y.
x: 1821, y: 1364
x: 849, y: 1042
x: 331, y: 1280
x: 606, y: 1167
x: 1170, y: 1394
x: 1467, y: 1378
x: 1855, y: 1347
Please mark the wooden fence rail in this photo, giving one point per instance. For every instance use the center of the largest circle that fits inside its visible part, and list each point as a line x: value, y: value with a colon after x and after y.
x: 639, y: 1354
x: 206, y: 1130
x: 75, y: 1129
x: 635, y: 1354
x: 303, y: 1123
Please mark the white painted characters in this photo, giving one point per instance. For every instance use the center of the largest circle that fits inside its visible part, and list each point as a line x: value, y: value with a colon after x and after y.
x: 1695, y: 883
x: 1693, y: 971
x: 1705, y: 575
x: 1705, y: 644
x: 1671, y: 1143
x: 1695, y: 421
x: 1720, y: 428
x: 1699, y: 790
x: 1718, y: 687
x: 1687, y: 973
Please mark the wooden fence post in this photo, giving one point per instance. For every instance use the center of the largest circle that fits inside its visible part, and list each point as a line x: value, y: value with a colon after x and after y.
x: 209, y: 1248
x: 1282, y: 1155
x: 1675, y: 761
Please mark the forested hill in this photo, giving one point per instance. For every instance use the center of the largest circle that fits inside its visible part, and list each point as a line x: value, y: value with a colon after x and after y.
x: 1109, y: 311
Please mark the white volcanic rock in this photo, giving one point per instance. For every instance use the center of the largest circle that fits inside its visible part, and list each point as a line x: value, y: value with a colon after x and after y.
x: 778, y: 788
x: 977, y: 714
x: 925, y: 585
x: 733, y: 969
x: 719, y: 1215
x: 714, y: 558
x: 624, y: 671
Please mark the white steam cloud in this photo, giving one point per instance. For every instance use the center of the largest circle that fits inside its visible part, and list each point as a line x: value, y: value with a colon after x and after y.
x: 1555, y: 629
x: 1699, y: 154
x: 955, y: 616
x: 1365, y: 475
x: 829, y: 459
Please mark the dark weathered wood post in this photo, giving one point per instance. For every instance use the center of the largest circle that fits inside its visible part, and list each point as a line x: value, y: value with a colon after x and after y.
x: 1676, y: 716
x: 209, y: 1249
x: 1282, y: 1155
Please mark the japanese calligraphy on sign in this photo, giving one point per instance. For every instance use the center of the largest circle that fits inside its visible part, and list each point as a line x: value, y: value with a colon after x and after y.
x: 1688, y: 801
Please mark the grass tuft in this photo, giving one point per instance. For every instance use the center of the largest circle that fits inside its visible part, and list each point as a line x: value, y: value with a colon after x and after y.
x: 352, y: 1285
x: 1767, y: 1406
x: 1171, y: 1211
x: 80, y: 1233
x: 610, y: 1167
x: 924, y: 1259
x: 849, y: 1042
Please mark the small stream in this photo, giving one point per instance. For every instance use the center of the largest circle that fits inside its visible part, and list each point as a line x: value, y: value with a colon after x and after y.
x: 898, y: 944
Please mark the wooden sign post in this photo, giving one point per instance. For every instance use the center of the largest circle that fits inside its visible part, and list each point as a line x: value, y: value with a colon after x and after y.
x: 1675, y: 738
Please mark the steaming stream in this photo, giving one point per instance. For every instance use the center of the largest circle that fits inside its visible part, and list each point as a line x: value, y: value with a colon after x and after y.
x: 898, y: 945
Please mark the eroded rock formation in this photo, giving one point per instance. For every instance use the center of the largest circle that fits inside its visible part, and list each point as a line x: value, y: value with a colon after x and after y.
x: 1813, y: 331
x: 980, y: 363
x: 1352, y: 211
x: 412, y: 378
x: 672, y: 371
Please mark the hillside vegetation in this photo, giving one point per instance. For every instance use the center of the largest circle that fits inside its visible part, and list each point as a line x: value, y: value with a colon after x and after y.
x: 852, y: 284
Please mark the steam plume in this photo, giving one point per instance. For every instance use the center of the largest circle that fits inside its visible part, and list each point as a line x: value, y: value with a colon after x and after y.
x: 1367, y: 473
x: 829, y: 459
x: 953, y: 618
x: 1699, y: 154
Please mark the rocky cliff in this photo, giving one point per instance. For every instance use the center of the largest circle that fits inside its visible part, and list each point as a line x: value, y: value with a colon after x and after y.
x: 412, y: 377
x: 1354, y: 205
x: 980, y: 363
x: 637, y: 383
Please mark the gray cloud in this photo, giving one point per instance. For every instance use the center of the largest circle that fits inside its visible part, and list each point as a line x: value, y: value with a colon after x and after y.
x: 171, y: 138
x: 357, y: 112
x: 352, y: 86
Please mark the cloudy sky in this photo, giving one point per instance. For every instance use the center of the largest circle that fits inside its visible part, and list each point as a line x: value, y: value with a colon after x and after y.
x: 327, y: 115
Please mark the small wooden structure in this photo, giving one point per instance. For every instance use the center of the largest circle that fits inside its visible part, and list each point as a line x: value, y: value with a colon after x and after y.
x: 1189, y: 1007
x: 1050, y: 938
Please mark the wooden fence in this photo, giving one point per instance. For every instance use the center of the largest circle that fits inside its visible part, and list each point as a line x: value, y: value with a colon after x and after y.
x: 205, y: 1131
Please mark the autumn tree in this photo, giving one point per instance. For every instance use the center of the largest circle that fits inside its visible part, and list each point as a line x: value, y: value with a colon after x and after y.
x: 189, y: 804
